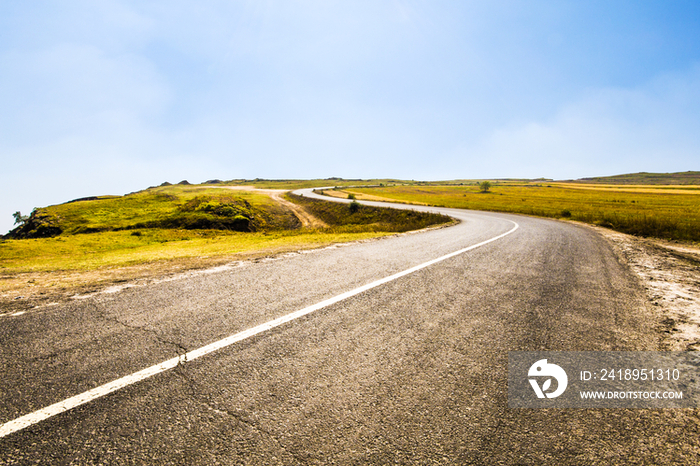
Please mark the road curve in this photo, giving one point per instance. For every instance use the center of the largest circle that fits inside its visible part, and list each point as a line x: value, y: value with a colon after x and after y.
x: 411, y: 371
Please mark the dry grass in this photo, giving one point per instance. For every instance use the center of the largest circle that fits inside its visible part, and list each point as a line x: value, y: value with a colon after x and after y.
x: 667, y: 212
x: 41, y: 283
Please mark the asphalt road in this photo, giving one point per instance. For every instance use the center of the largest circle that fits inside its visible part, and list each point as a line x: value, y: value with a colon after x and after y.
x: 409, y: 372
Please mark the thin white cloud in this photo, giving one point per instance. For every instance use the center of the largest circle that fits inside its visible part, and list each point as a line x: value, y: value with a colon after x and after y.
x: 617, y: 130
x: 76, y: 91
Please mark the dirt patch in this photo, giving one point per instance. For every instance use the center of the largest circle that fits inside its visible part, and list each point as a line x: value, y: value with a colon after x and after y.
x: 306, y: 218
x: 670, y: 274
x: 32, y: 290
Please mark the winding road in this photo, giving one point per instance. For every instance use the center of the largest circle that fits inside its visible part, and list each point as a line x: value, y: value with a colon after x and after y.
x: 391, y: 351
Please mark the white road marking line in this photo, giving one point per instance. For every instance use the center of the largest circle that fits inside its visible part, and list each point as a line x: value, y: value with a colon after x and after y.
x: 90, y: 395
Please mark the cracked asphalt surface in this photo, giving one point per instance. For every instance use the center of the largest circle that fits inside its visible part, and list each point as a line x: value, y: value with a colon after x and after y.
x: 411, y: 372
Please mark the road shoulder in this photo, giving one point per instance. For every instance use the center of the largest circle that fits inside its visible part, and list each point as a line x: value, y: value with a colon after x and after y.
x: 670, y: 275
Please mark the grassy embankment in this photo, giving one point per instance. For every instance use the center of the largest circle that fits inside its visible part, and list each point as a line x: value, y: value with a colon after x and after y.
x: 165, y: 228
x: 667, y: 212
x: 347, y: 218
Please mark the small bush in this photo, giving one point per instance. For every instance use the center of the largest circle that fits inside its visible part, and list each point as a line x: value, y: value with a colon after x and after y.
x: 354, y: 206
x: 39, y: 224
x: 566, y: 213
x: 351, y: 196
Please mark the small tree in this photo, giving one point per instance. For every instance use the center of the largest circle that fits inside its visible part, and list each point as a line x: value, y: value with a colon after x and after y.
x: 354, y: 206
x: 19, y: 218
x: 484, y: 186
x: 351, y: 196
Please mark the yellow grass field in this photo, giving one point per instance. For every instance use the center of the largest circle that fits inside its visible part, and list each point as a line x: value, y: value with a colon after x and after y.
x: 662, y: 211
x: 121, y: 248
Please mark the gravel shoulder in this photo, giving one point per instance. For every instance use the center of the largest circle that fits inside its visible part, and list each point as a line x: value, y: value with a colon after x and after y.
x: 670, y: 275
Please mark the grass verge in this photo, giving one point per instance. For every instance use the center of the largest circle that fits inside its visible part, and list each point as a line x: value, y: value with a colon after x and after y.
x: 48, y: 269
x: 122, y: 248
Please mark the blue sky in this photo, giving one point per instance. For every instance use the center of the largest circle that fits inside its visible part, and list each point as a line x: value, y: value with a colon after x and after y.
x: 108, y: 97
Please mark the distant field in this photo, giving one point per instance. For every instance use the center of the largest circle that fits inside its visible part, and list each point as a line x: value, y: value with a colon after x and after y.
x: 643, y: 178
x: 668, y: 212
x: 300, y: 184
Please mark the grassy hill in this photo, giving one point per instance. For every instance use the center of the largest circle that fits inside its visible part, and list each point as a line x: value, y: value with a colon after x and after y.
x: 167, y: 207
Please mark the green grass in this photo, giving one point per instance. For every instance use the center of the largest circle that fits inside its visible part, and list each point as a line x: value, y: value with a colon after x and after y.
x: 643, y: 211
